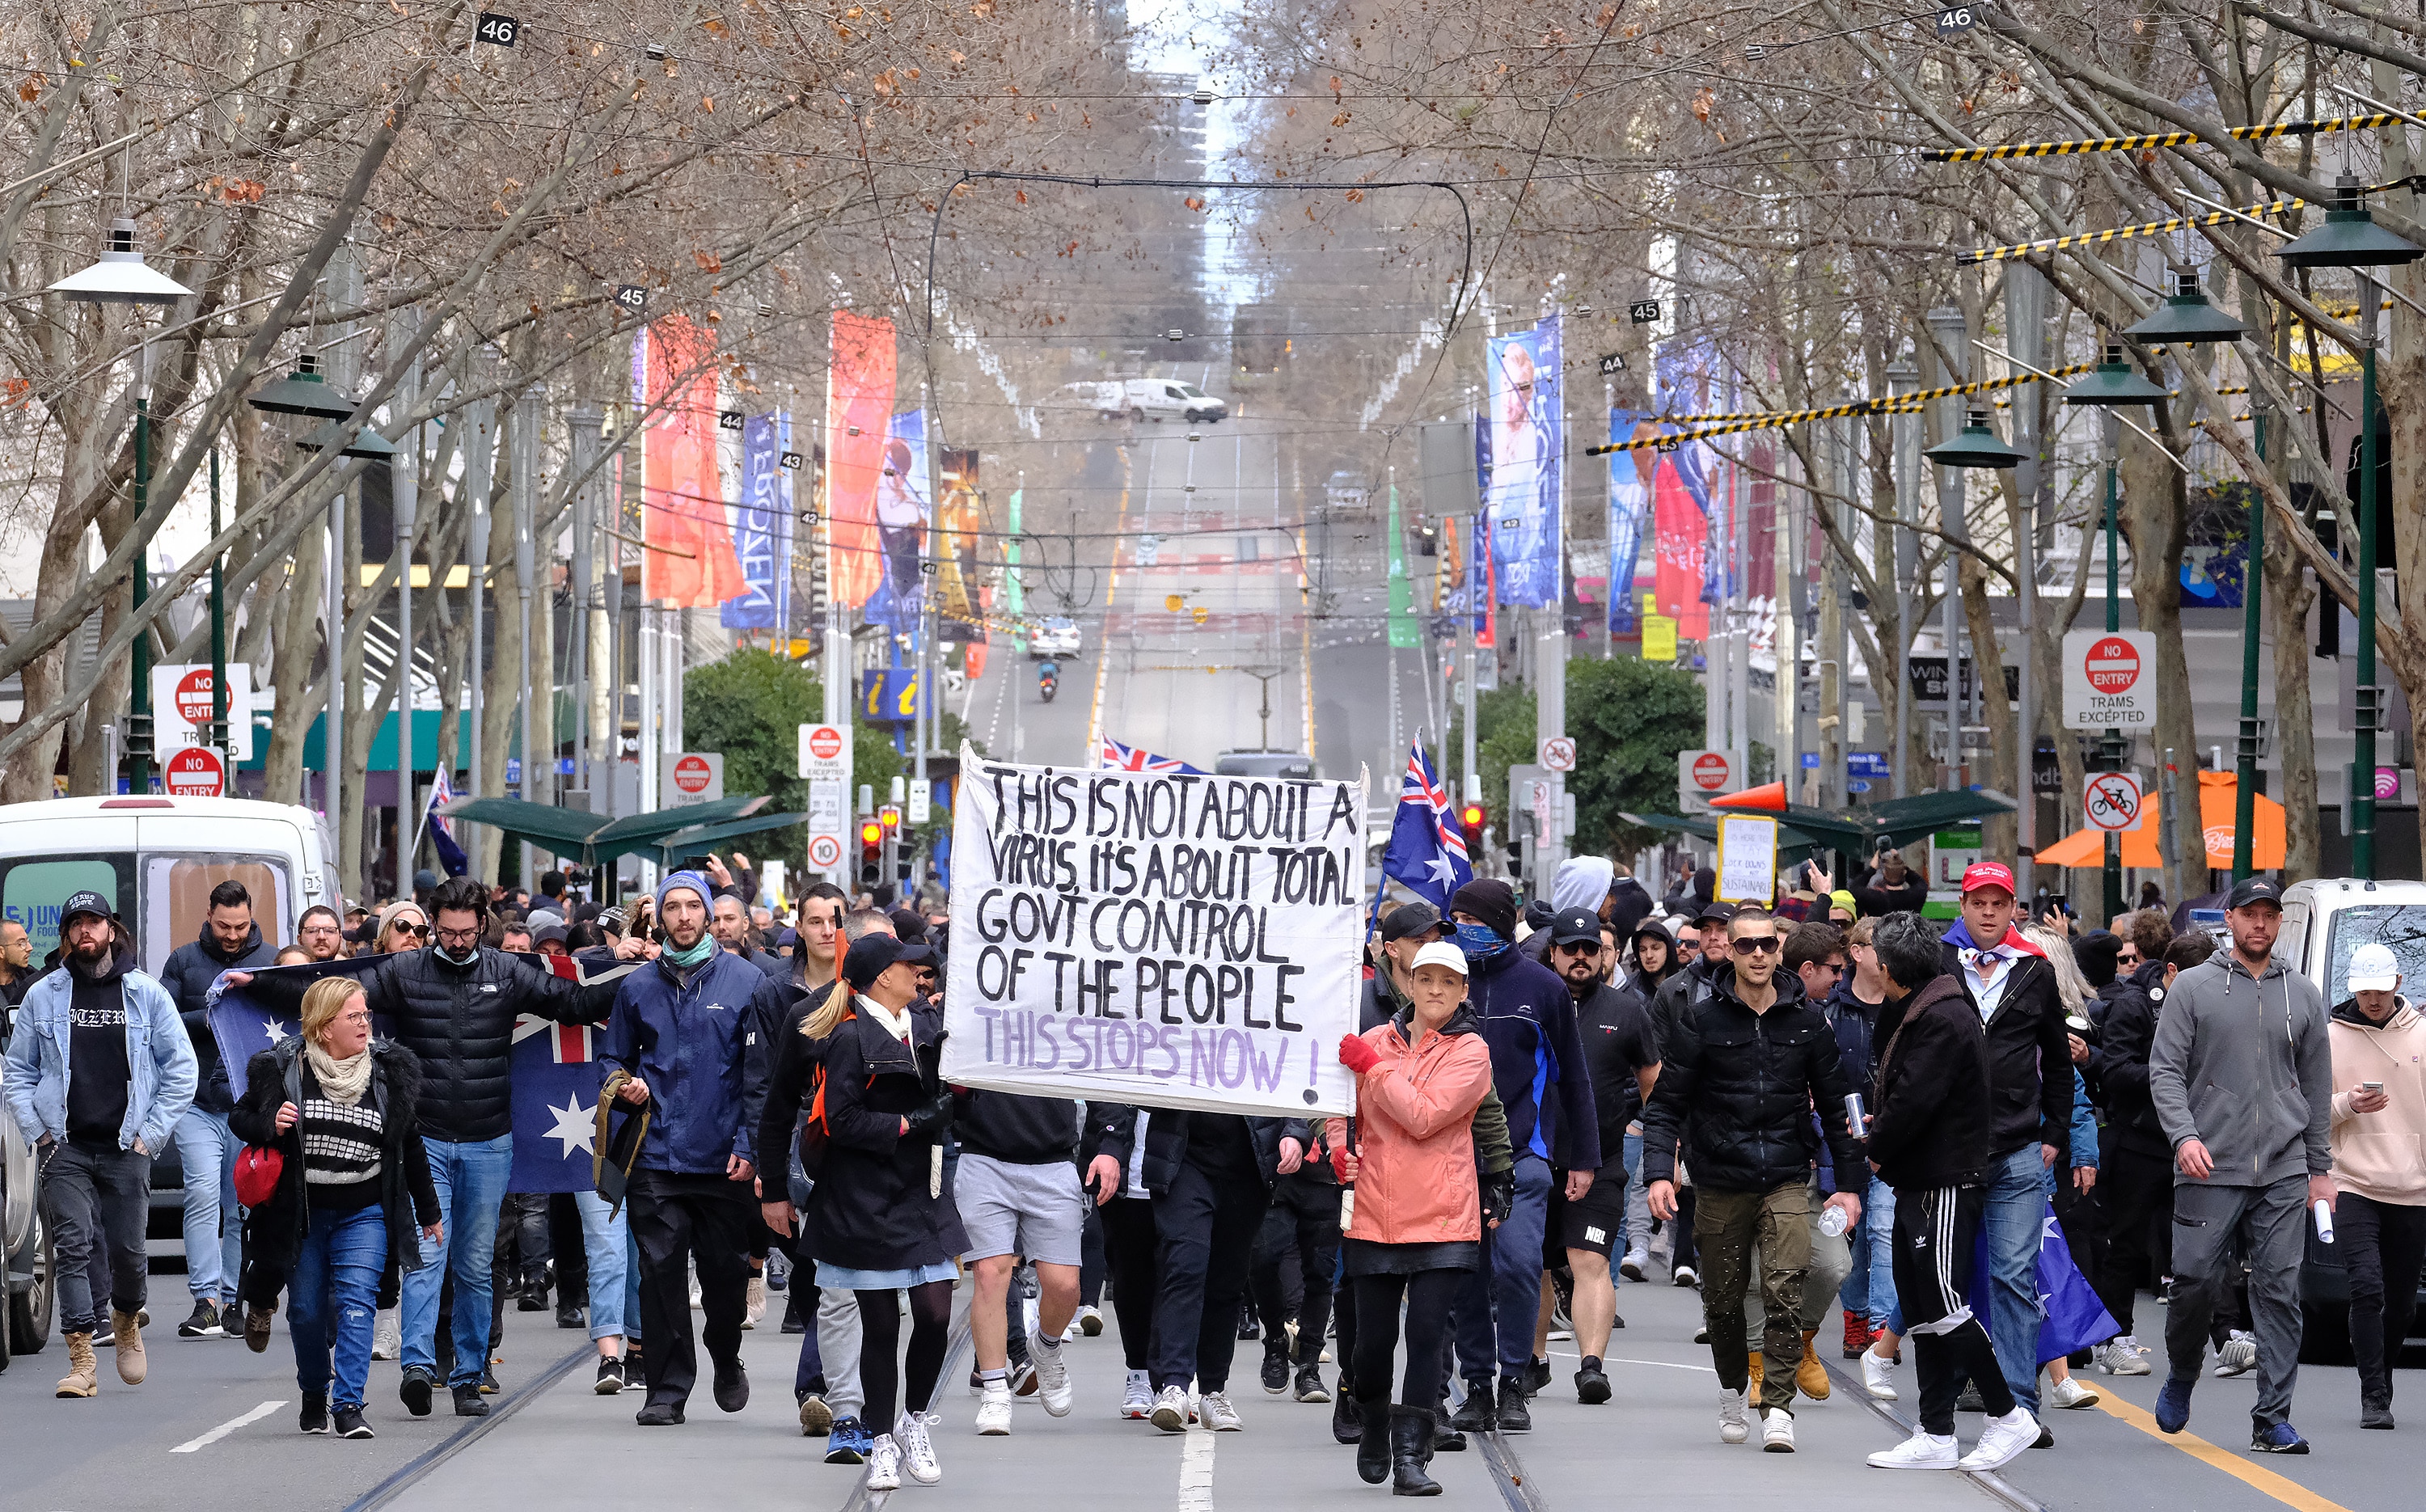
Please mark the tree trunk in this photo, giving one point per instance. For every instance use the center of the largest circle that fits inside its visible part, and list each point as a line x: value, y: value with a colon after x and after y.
x: 2291, y: 593
x: 2155, y: 517
x: 501, y: 703
x: 1997, y: 832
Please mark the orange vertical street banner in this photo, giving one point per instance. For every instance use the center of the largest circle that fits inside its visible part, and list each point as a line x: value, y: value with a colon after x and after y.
x: 859, y: 408
x: 682, y: 492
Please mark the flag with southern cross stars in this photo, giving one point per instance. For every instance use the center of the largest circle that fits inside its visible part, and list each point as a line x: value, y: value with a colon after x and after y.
x: 554, y: 1068
x: 1427, y: 851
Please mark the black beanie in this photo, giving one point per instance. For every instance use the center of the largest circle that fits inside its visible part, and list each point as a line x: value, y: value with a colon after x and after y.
x: 1490, y: 900
x: 2098, y: 952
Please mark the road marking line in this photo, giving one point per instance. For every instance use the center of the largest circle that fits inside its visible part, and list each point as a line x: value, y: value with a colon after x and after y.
x: 228, y: 1427
x: 1621, y: 1359
x: 2281, y: 1487
x: 1196, y: 1472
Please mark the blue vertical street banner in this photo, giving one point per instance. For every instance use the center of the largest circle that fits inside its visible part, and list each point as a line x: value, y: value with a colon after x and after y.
x: 554, y: 1067
x: 905, y: 506
x: 1517, y: 450
x: 1630, y: 475
x: 761, y: 526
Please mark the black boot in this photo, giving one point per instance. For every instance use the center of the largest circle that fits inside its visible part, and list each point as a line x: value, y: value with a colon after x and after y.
x: 1374, y: 1443
x: 1346, y: 1417
x: 1411, y: 1449
x: 1445, y: 1439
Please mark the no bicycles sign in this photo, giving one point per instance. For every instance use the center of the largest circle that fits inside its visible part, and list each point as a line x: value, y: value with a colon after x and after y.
x: 2111, y: 801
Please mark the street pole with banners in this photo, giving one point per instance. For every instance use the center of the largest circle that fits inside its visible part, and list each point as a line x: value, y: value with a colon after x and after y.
x: 405, y: 493
x: 1952, y: 337
x: 480, y: 459
x: 583, y: 427
x: 2025, y: 313
x: 526, y: 490
x: 1467, y: 654
x: 216, y: 736
x: 1904, y: 566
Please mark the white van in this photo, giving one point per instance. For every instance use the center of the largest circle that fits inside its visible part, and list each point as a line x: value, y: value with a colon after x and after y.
x: 1158, y: 399
x: 158, y: 857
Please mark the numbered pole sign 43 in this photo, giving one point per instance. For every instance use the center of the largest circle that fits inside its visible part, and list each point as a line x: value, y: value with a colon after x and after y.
x: 1951, y: 19
x: 501, y: 31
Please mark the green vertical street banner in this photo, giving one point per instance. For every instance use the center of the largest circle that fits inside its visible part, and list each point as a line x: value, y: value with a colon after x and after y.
x: 1402, y: 593
x: 1015, y: 591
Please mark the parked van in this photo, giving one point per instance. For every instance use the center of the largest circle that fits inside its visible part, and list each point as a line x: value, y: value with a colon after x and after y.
x: 1158, y: 399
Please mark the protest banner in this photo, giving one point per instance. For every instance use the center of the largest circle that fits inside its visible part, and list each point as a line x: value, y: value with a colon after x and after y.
x: 1166, y: 939
x: 555, y: 1071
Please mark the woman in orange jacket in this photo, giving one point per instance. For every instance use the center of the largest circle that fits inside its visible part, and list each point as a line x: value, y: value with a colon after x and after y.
x: 1416, y: 1217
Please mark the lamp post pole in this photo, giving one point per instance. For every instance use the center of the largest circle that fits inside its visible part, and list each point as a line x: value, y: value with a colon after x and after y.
x: 2362, y: 795
x: 2111, y: 748
x: 139, y: 722
x: 218, y: 731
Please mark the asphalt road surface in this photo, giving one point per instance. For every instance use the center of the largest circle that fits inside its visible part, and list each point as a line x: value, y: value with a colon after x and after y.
x: 195, y: 1439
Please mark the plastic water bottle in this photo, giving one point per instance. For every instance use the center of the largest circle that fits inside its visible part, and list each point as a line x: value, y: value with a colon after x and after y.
x: 2324, y: 1212
x: 1833, y: 1222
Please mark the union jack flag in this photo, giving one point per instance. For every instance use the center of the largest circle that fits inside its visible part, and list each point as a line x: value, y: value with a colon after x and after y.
x: 442, y: 832
x: 1131, y: 759
x: 1427, y: 851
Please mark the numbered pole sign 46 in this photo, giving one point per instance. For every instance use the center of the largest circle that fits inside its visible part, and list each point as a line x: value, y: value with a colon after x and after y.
x: 501, y: 31
x: 1951, y: 19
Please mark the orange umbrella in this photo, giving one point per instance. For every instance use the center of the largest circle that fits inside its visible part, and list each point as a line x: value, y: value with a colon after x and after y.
x: 1770, y: 796
x: 2218, y: 791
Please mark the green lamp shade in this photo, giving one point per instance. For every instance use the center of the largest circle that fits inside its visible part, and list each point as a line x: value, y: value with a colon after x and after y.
x: 2115, y: 383
x: 304, y: 391
x: 368, y: 444
x: 2349, y: 238
x: 2186, y: 318
x: 1975, y: 445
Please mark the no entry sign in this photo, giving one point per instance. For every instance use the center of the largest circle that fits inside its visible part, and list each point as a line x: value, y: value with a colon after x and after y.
x: 2110, y: 680
x: 1701, y: 776
x: 693, y: 776
x: 194, y: 772
x: 2111, y: 801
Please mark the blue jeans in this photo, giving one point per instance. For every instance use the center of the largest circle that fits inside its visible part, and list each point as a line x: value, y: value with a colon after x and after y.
x: 1510, y: 1283
x: 332, y: 1297
x: 1630, y: 1151
x: 471, y: 1179
x: 1878, y: 1218
x: 214, y: 1235
x: 2015, y: 1217
x: 605, y: 1237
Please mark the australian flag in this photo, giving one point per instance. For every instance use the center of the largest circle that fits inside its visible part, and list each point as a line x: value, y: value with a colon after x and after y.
x: 441, y: 831
x: 554, y: 1068
x: 1130, y: 759
x: 1427, y: 851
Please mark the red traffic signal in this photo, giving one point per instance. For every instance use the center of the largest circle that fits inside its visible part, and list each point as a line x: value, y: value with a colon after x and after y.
x: 1473, y: 817
x: 872, y: 834
x: 890, y: 815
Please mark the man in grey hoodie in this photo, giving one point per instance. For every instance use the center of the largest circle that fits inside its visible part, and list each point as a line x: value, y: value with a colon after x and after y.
x: 2241, y: 1077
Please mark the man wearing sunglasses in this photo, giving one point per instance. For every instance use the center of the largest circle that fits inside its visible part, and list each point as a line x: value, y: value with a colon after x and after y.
x: 1741, y: 1072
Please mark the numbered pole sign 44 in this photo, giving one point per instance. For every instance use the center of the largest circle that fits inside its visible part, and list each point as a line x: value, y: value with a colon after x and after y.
x: 2111, y: 801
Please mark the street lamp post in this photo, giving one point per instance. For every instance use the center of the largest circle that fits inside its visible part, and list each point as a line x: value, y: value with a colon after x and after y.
x: 2351, y: 238
x: 121, y: 276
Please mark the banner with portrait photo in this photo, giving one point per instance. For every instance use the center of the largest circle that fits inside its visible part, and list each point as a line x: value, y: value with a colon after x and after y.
x: 859, y: 403
x: 905, y: 508
x: 1517, y: 456
x: 1167, y: 938
x: 1629, y: 506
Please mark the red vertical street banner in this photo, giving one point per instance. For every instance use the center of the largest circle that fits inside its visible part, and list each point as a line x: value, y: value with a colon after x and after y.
x: 858, y: 411
x: 682, y: 491
x: 1683, y: 530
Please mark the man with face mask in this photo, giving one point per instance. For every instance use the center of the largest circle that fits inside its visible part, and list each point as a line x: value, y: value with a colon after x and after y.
x: 1529, y: 1020
x: 453, y: 1002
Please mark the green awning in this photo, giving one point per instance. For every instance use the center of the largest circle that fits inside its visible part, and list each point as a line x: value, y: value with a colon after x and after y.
x: 594, y: 839
x: 690, y: 842
x: 1901, y: 821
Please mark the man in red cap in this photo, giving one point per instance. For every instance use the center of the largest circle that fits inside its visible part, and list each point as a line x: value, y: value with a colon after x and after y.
x: 2011, y: 983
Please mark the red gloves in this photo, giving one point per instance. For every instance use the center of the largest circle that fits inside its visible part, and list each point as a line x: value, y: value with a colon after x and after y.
x: 1357, y: 1055
x: 1343, y: 1165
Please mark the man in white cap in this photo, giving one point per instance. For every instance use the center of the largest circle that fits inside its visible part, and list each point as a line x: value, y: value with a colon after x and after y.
x: 2379, y: 1124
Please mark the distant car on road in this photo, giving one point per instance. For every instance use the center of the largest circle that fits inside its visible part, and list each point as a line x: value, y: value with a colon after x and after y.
x: 2324, y: 920
x: 1156, y: 399
x: 1053, y: 639
x: 1263, y: 763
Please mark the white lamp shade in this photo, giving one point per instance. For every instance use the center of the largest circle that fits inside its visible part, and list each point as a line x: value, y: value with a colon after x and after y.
x: 121, y: 276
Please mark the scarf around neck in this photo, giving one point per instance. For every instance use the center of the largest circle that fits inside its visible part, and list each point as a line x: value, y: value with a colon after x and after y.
x: 342, y: 1081
x: 896, y: 1025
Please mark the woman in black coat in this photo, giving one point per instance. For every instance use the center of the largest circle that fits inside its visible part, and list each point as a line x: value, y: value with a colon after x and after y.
x: 354, y: 1188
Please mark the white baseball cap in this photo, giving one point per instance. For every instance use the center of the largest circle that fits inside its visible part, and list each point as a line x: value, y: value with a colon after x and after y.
x: 1440, y: 953
x: 2374, y: 969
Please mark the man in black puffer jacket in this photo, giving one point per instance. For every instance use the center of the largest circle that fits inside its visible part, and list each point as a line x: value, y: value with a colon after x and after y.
x: 453, y: 1003
x: 1747, y: 1065
x: 231, y: 941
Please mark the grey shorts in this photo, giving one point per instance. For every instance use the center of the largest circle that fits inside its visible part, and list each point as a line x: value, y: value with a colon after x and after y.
x: 1033, y: 1211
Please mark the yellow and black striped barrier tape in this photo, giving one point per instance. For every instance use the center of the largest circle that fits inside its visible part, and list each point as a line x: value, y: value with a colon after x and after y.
x: 2166, y: 138
x: 1890, y: 404
x: 2116, y: 234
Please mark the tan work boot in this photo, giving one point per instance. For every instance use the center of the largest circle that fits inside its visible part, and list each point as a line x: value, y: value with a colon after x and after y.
x: 1810, y: 1376
x: 131, y: 1366
x: 84, y: 1373
x: 1752, y: 1388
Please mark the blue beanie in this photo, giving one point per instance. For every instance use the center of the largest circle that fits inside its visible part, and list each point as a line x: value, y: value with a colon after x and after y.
x: 681, y: 879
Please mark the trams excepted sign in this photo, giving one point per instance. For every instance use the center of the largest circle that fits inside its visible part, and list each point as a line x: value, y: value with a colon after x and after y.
x: 2110, y: 680
x: 2111, y: 801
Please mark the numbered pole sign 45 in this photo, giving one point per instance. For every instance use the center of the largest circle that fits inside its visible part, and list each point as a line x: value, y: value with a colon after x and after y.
x: 1951, y: 19
x: 501, y: 31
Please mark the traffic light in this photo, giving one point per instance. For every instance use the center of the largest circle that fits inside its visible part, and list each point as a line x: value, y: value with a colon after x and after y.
x: 889, y: 819
x: 871, y: 853
x: 1473, y: 817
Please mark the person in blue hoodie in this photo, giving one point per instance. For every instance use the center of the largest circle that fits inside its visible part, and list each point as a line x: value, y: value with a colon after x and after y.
x: 689, y: 1030
x: 1527, y: 1018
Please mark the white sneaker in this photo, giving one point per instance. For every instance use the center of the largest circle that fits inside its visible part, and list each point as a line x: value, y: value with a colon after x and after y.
x: 387, y: 1334
x: 2068, y: 1393
x: 2124, y: 1356
x: 695, y: 1303
x: 2239, y: 1356
x: 1052, y: 1375
x: 1217, y: 1414
x: 1089, y: 1321
x: 918, y: 1448
x: 1922, y: 1450
x: 994, y: 1410
x: 1877, y: 1377
x: 1777, y: 1433
x: 1685, y: 1276
x: 1733, y: 1428
x: 1137, y: 1396
x: 753, y: 1300
x: 2002, y: 1440
x: 884, y: 1464
x: 1170, y: 1411
x: 1631, y: 1267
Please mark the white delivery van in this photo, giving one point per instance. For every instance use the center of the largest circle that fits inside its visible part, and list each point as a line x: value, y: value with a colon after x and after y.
x: 158, y: 857
x: 1159, y: 399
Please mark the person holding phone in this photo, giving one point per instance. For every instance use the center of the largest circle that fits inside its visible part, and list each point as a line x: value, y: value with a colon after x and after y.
x: 2379, y: 1124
